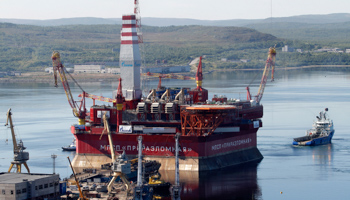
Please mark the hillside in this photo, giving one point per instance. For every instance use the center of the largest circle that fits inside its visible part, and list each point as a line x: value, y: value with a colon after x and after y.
x: 149, y: 21
x: 316, y: 28
x: 27, y: 47
x: 321, y: 33
x: 200, y: 34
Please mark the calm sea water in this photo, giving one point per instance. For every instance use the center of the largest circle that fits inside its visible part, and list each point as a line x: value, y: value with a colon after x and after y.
x: 43, y: 117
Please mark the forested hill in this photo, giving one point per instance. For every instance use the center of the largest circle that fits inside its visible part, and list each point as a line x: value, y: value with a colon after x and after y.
x: 328, y: 33
x: 27, y: 47
x: 204, y: 34
x: 151, y: 21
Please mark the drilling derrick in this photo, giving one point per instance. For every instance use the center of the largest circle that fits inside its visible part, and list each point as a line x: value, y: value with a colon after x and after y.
x: 138, y: 21
x: 144, y: 84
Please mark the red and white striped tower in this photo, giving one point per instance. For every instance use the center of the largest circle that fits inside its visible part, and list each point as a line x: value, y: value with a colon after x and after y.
x: 130, y: 59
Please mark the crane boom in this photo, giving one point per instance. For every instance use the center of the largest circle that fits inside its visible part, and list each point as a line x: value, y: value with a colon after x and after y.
x: 99, y: 98
x: 78, y: 110
x: 270, y: 63
x: 121, y: 165
x: 110, y: 140
x: 9, y: 118
x: 81, y: 196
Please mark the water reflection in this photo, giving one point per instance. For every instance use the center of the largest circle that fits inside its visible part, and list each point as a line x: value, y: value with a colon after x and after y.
x: 232, y: 183
x: 323, y: 155
x: 321, y: 158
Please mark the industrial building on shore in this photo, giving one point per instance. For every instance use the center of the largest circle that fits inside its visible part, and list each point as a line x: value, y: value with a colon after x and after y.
x: 29, y: 186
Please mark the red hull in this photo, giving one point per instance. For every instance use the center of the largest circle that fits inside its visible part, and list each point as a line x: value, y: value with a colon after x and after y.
x: 164, y: 145
x: 212, y: 137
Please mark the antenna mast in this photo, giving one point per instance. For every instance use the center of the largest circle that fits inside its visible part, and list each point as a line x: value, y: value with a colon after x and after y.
x: 53, y: 156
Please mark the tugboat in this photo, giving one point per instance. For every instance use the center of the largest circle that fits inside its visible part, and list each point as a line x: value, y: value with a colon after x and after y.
x: 71, y: 147
x: 321, y: 133
x: 160, y: 187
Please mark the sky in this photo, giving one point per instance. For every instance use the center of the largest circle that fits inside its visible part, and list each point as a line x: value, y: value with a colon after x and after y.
x: 194, y: 9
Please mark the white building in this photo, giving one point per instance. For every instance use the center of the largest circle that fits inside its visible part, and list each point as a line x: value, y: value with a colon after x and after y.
x: 286, y: 48
x: 113, y: 70
x: 330, y: 50
x: 244, y: 60
x: 91, y: 69
x: 50, y: 70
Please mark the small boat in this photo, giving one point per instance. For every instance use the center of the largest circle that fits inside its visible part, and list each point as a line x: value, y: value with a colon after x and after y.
x: 321, y: 133
x: 70, y: 147
x: 159, y: 187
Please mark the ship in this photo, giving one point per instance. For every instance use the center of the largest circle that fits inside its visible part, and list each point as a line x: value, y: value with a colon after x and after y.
x: 71, y: 147
x: 213, y: 134
x: 321, y: 133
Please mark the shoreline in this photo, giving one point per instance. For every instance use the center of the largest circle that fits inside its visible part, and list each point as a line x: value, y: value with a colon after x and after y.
x: 43, y: 77
x: 288, y: 68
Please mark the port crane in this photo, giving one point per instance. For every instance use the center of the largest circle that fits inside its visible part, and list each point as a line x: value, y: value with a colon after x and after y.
x: 78, y: 107
x: 120, y: 164
x: 270, y: 64
x: 81, y: 195
x: 20, y: 156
